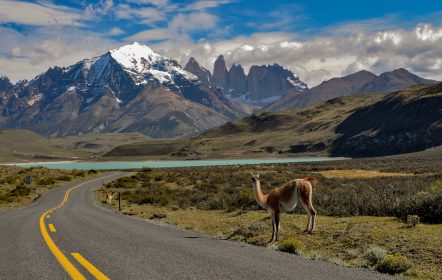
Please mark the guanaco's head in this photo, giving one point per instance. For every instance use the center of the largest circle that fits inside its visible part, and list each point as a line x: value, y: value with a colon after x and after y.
x: 255, y: 178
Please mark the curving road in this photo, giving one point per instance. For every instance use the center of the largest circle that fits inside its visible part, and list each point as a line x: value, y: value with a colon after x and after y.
x: 81, y: 240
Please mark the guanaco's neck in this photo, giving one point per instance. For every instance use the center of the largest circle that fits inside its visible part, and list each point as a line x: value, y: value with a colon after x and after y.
x: 260, y: 197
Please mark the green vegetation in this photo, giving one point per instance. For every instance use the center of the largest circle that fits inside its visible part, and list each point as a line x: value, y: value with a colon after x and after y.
x: 229, y: 188
x: 375, y: 254
x: 14, y: 192
x: 393, y: 264
x: 291, y: 245
x: 356, y: 231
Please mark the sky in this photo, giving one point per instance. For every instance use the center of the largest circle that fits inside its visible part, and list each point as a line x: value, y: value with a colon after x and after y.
x: 316, y: 39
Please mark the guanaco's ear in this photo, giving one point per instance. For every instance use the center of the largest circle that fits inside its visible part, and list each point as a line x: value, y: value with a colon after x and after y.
x: 251, y: 173
x: 257, y: 175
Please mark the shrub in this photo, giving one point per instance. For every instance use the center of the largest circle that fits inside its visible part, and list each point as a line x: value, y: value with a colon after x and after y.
x: 46, y: 181
x: 393, y: 264
x: 20, y: 190
x: 374, y: 254
x: 64, y: 178
x: 292, y: 245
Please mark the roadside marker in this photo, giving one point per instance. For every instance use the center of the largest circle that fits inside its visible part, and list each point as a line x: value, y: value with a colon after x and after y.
x: 90, y: 267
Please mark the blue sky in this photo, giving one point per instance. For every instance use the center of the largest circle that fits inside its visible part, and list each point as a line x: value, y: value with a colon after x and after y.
x: 315, y: 39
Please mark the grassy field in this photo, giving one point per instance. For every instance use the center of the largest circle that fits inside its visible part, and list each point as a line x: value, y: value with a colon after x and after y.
x: 15, y: 193
x: 366, y: 229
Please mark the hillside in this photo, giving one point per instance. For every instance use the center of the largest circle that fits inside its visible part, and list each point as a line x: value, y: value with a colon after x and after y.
x: 354, y: 126
x: 24, y: 145
x: 357, y: 83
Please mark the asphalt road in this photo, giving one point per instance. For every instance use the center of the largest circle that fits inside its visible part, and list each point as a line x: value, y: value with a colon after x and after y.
x: 91, y: 242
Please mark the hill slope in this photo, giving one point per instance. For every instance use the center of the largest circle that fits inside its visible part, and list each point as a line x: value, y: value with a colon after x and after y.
x: 363, y: 125
x: 357, y: 83
x: 24, y: 145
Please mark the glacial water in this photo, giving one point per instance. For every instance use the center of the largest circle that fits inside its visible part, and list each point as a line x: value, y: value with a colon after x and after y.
x: 86, y: 165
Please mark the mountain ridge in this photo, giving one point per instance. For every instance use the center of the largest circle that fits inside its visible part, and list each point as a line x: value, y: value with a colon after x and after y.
x: 94, y: 95
x: 356, y: 83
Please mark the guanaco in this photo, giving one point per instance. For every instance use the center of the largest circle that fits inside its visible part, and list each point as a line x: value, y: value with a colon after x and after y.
x: 285, y: 198
x: 110, y: 196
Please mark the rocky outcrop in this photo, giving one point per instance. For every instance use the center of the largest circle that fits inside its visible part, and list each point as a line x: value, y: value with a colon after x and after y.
x: 220, y: 74
x: 202, y: 73
x: 237, y: 85
x: 268, y: 83
x: 263, y: 84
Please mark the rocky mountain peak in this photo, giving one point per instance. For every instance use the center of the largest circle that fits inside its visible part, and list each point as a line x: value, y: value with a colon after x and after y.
x: 267, y: 83
x: 220, y: 74
x: 135, y: 57
x: 237, y: 81
x: 5, y: 84
x: 202, y: 73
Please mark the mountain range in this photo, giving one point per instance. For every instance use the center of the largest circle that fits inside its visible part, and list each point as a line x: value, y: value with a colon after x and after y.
x: 261, y: 86
x: 357, y: 83
x: 134, y: 89
x: 127, y: 89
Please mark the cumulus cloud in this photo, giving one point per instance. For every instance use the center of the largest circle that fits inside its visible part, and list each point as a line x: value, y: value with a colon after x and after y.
x: 40, y: 14
x: 324, y: 57
x: 178, y: 28
x: 25, y: 56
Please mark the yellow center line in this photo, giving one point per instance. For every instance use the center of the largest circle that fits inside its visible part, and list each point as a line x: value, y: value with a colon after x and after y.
x: 52, y: 228
x: 90, y: 267
x: 61, y: 258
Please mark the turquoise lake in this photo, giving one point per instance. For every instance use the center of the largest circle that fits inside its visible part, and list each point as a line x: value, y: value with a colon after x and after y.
x: 173, y: 163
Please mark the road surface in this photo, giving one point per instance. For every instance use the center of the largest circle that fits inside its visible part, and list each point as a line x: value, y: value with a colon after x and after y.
x: 67, y: 235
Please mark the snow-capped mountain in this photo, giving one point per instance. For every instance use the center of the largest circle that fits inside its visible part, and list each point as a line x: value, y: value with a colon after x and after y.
x: 130, y: 88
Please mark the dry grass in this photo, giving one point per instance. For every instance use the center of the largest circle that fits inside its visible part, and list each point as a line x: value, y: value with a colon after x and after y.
x: 359, y: 174
x: 15, y: 193
x: 340, y: 240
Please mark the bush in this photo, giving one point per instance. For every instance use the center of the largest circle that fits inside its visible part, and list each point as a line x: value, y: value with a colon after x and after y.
x: 20, y: 190
x: 64, y: 178
x: 393, y: 264
x: 292, y: 245
x: 374, y: 254
x: 46, y: 181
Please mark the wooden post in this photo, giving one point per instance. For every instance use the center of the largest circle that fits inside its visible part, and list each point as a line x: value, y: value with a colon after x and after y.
x: 119, y: 201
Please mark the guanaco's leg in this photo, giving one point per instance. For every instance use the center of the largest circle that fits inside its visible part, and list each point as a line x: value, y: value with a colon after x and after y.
x: 273, y: 227
x: 277, y: 224
x: 311, y: 212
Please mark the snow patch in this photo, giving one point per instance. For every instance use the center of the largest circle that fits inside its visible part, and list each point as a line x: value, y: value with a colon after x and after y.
x: 161, y: 76
x: 296, y: 83
x: 135, y: 57
x: 34, y: 99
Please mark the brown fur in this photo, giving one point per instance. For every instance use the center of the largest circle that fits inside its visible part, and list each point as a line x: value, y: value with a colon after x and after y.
x: 285, y: 195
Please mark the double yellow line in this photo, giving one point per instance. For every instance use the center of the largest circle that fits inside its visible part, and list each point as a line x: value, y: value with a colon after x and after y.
x: 61, y: 258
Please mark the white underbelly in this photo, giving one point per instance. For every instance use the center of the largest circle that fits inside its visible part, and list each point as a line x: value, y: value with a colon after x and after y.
x: 291, y: 204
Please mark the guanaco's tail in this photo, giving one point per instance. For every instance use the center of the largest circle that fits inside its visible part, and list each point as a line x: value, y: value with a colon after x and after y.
x: 313, y: 180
